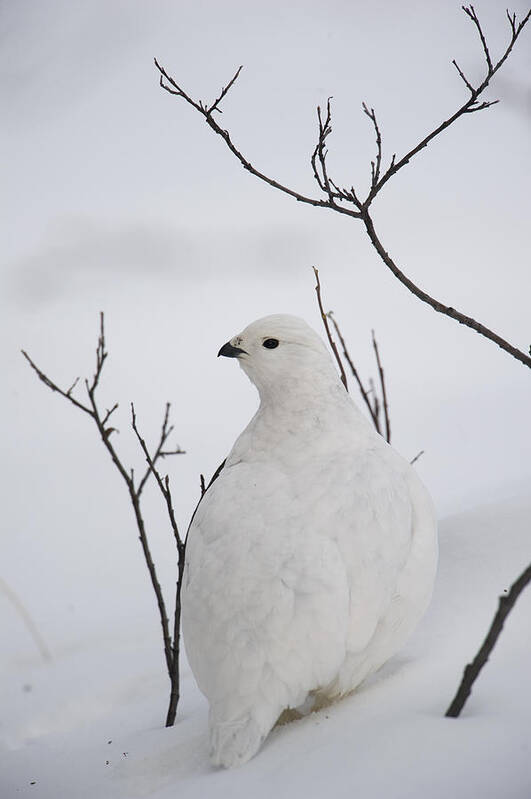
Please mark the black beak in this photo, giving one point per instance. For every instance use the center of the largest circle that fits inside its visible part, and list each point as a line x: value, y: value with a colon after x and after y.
x: 228, y: 351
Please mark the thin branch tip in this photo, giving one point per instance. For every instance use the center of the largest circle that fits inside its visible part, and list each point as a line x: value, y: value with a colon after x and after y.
x: 417, y: 456
x: 224, y: 91
x: 327, y: 329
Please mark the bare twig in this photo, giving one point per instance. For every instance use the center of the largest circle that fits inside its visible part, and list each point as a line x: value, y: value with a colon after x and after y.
x: 224, y: 90
x: 169, y: 85
x: 318, y: 159
x: 438, y: 306
x: 171, y: 647
x: 374, y: 405
x: 160, y: 452
x: 202, y: 483
x: 109, y: 413
x: 512, y: 21
x: 469, y: 106
x: 54, y: 387
x: 364, y: 393
x: 375, y: 165
x: 216, y: 474
x: 135, y: 499
x: 164, y: 486
x: 472, y: 670
x: 327, y: 328
x: 469, y: 11
x: 417, y: 456
x: 101, y: 356
x: 152, y: 460
x: 466, y: 82
x: 384, y: 391
x: 72, y: 387
x: 338, y: 199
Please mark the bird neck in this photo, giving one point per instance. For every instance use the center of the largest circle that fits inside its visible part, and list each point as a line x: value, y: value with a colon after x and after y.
x: 291, y: 420
x: 305, y: 409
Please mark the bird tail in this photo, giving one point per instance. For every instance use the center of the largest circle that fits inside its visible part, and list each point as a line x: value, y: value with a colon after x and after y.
x: 233, y: 743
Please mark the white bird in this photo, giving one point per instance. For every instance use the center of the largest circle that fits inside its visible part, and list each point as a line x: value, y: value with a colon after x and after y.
x: 312, y: 556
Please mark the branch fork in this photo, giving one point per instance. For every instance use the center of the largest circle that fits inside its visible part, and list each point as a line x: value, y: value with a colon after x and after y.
x: 349, y: 201
x: 135, y: 490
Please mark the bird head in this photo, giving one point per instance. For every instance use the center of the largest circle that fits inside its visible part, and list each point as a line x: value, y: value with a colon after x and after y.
x: 281, y: 353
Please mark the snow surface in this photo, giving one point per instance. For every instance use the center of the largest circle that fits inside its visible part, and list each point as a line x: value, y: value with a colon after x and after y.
x: 88, y: 723
x: 120, y: 199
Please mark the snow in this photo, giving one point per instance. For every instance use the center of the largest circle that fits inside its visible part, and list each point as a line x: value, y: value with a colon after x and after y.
x: 88, y: 724
x: 118, y: 198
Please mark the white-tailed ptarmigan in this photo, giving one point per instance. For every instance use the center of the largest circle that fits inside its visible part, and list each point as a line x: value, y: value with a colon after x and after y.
x: 312, y: 556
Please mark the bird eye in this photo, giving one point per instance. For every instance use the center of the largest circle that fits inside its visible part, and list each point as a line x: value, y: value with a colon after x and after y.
x: 270, y: 343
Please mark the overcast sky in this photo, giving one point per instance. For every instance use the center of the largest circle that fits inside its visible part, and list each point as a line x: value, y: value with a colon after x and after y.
x: 118, y: 197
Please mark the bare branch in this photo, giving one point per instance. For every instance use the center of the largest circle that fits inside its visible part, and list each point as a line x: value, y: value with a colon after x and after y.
x: 164, y: 485
x: 202, y: 485
x: 164, y: 434
x: 512, y: 21
x: 216, y: 474
x: 384, y: 392
x: 469, y: 11
x: 101, y: 356
x: 212, y: 480
x: 364, y: 393
x: 355, y: 199
x: 472, y: 670
x: 72, y: 387
x: 417, y: 456
x: 225, y: 135
x: 127, y: 474
x: 438, y: 306
x: 378, y: 180
x: 224, y: 90
x: 319, y: 166
x: 466, y: 82
x: 173, y: 88
x: 105, y: 432
x: 164, y: 623
x: 109, y: 412
x: 374, y: 406
x: 480, y: 106
x: 175, y: 678
x: 54, y: 387
x: 327, y: 328
x: 375, y: 166
x: 466, y: 107
x: 319, y: 157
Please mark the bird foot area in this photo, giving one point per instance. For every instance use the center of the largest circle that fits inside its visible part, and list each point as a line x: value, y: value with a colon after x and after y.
x: 234, y: 743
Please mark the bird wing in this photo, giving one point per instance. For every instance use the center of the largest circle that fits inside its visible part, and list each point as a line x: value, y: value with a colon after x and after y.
x: 374, y: 534
x: 265, y: 596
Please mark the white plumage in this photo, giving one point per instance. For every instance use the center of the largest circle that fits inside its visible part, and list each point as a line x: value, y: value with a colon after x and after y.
x: 312, y: 556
